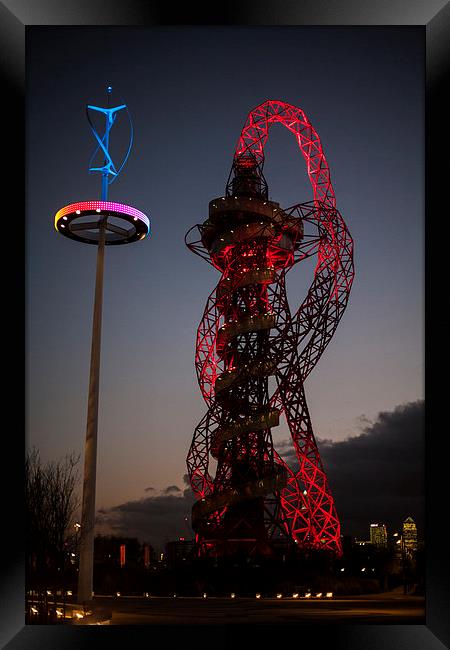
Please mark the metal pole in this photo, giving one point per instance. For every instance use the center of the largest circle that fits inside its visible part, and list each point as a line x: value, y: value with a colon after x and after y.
x: 86, y: 567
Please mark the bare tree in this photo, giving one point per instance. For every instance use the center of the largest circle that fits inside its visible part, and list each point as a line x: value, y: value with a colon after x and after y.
x: 51, y: 501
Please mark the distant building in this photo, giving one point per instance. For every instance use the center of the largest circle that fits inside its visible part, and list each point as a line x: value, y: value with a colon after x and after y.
x: 112, y: 550
x: 362, y: 542
x: 409, y: 535
x: 378, y: 535
x: 179, y: 551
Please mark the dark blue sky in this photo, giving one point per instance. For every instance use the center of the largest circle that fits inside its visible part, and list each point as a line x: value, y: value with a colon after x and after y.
x: 189, y: 91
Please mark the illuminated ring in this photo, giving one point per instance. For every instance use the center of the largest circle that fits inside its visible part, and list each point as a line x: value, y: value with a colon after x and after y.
x: 71, y: 221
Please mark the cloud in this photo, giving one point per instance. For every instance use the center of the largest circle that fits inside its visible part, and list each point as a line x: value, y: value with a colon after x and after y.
x: 362, y: 421
x: 149, y: 489
x: 378, y: 475
x: 154, y: 519
x: 171, y: 488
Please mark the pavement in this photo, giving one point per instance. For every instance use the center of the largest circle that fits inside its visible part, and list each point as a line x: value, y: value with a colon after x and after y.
x: 377, y: 608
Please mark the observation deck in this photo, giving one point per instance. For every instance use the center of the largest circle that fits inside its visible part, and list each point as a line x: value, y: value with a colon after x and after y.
x: 237, y: 220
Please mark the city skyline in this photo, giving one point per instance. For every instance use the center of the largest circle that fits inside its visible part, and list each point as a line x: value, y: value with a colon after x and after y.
x: 409, y: 535
x: 149, y: 401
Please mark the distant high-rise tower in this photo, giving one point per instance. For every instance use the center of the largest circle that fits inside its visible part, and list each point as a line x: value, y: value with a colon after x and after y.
x: 409, y: 534
x: 378, y: 535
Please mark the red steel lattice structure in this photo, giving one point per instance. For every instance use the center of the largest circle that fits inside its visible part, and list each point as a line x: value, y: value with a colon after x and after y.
x: 249, y: 335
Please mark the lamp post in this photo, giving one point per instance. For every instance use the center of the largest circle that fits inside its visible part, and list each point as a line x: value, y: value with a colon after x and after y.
x: 101, y: 223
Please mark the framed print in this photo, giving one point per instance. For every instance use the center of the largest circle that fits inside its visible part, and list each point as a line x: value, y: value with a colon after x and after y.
x: 371, y: 80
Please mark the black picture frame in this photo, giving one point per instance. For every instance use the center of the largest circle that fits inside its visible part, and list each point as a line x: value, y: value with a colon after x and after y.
x: 16, y: 16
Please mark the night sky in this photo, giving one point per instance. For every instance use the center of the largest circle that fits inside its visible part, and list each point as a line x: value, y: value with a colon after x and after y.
x: 189, y: 90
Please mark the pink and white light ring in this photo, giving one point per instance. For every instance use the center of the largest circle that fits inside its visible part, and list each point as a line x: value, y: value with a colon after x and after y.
x: 69, y: 222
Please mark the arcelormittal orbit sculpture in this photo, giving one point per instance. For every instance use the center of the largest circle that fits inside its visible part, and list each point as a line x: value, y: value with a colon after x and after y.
x: 248, y: 334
